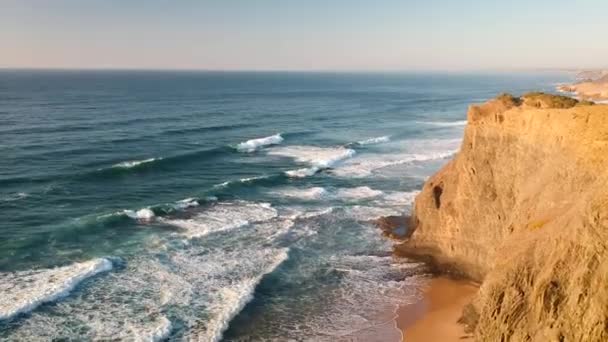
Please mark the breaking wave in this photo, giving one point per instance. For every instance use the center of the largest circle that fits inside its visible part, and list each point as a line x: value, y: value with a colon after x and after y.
x: 24, y: 291
x: 134, y: 163
x: 376, y: 140
x: 366, y: 166
x: 255, y: 144
x: 318, y: 158
x: 222, y: 217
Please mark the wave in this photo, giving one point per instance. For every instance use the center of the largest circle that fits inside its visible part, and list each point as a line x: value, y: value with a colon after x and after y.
x: 222, y: 217
x: 369, y: 213
x: 14, y: 197
x: 153, y: 164
x: 302, y: 173
x: 24, y: 291
x: 202, y: 286
x: 358, y: 193
x: 241, y: 181
x: 159, y: 332
x: 236, y: 297
x: 318, y: 158
x: 444, y: 123
x: 255, y: 144
x: 316, y: 193
x: 399, y: 198
x: 143, y: 215
x: 366, y: 166
x: 149, y: 214
x: 376, y: 140
x: 313, y: 193
x: 188, y: 203
x: 134, y: 163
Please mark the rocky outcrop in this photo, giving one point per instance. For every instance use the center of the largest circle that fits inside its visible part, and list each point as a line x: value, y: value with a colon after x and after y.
x: 523, y: 209
x: 589, y: 89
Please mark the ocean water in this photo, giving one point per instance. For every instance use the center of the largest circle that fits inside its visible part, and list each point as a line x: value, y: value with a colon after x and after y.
x: 217, y: 206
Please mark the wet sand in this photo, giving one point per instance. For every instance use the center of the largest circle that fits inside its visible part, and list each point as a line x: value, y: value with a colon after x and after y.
x: 435, y: 316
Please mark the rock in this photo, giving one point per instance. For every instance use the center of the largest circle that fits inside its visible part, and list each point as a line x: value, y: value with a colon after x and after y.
x: 395, y: 227
x: 523, y: 209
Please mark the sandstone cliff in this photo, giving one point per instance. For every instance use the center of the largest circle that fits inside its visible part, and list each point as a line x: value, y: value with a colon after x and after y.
x: 523, y: 209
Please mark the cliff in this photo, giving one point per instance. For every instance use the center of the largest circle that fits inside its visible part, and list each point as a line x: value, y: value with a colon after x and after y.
x: 523, y: 209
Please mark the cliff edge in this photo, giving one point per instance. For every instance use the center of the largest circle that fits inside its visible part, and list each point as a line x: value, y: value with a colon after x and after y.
x: 523, y: 209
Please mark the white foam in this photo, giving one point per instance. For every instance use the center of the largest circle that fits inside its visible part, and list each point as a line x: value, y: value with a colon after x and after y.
x: 202, y: 286
x: 316, y: 213
x: 399, y: 198
x: 254, y: 144
x: 318, y: 193
x: 242, y: 180
x: 317, y: 157
x: 368, y: 213
x: 23, y: 291
x: 186, y: 203
x: 313, y: 193
x: 301, y: 173
x: 362, y: 192
x: 369, y: 290
x: 367, y: 165
x: 134, y: 163
x: 14, y: 197
x: 143, y: 215
x: 444, y: 123
x: 376, y: 140
x: 322, y: 157
x: 224, y: 216
x: 158, y: 332
x: 235, y: 298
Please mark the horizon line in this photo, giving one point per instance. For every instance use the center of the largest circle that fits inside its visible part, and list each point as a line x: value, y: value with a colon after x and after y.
x: 417, y: 70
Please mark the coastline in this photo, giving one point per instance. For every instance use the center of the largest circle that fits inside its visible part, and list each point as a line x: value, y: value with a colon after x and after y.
x: 435, y: 316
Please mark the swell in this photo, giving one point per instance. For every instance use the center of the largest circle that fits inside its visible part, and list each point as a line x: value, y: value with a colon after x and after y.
x: 241, y: 304
x: 121, y: 168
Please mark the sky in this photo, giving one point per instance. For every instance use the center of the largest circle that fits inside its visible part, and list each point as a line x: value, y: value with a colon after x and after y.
x: 304, y: 34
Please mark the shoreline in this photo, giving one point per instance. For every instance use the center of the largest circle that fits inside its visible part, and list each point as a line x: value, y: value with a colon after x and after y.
x: 435, y: 316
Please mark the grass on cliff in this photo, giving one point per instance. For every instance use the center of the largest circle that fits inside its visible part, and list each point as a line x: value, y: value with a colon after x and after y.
x: 541, y: 100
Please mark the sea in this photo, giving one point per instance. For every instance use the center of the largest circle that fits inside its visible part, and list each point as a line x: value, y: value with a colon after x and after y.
x: 219, y: 206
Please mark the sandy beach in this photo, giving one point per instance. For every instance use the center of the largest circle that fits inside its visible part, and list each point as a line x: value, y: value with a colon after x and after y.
x: 435, y: 316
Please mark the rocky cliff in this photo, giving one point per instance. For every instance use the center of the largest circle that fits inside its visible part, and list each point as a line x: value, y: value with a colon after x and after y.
x: 590, y: 89
x: 523, y: 209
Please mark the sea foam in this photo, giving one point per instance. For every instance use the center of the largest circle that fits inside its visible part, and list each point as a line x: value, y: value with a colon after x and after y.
x: 23, y: 291
x: 134, y: 163
x: 144, y: 214
x: 317, y: 193
x: 317, y: 157
x: 367, y: 165
x: 376, y: 140
x: 235, y: 297
x: 255, y: 144
x: 222, y: 217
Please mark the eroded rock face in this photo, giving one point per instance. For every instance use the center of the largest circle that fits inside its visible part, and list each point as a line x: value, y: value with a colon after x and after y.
x: 523, y: 209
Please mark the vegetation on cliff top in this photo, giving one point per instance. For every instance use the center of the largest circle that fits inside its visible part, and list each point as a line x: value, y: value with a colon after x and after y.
x: 541, y: 100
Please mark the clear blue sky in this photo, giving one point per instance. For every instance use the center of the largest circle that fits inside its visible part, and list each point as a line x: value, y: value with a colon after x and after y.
x: 304, y: 34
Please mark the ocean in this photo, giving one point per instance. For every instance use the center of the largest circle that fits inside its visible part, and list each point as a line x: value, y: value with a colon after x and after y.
x: 218, y: 206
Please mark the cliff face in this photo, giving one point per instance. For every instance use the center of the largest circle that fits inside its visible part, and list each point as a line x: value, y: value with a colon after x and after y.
x: 523, y: 208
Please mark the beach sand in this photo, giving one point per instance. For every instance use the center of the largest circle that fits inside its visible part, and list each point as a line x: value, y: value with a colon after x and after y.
x: 435, y: 316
